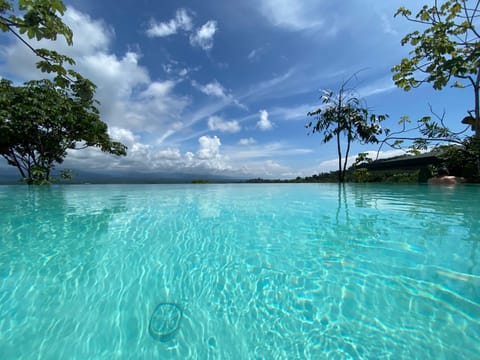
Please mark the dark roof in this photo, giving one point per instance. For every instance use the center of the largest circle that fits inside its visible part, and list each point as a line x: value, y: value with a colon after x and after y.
x: 406, y: 162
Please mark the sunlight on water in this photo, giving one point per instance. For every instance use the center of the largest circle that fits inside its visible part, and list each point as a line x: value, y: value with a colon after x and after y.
x: 246, y: 272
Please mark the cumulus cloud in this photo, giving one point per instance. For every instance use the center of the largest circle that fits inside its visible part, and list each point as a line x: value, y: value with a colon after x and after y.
x: 247, y: 141
x: 169, y: 154
x: 91, y: 36
x: 145, y: 158
x: 203, y: 37
x: 209, y: 147
x: 264, y: 123
x: 181, y: 21
x: 217, y: 123
x: 140, y: 112
x: 128, y: 97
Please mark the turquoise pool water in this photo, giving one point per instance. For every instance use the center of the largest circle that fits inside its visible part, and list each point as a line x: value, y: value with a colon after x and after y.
x: 257, y: 271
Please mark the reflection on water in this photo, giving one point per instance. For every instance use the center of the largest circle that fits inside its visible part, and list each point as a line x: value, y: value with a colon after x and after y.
x: 259, y: 271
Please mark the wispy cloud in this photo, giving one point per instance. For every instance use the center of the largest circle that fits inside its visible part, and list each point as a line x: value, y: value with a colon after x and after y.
x: 378, y: 86
x: 203, y: 37
x: 181, y: 21
x: 255, y: 54
x: 294, y: 112
x: 388, y: 25
x: 247, y: 141
x: 213, y: 88
x: 264, y: 88
x: 264, y: 150
x: 293, y: 14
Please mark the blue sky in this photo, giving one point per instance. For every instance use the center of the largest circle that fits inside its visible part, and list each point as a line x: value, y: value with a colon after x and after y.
x: 223, y: 87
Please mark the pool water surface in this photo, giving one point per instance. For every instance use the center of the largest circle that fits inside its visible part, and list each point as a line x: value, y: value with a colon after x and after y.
x: 247, y: 271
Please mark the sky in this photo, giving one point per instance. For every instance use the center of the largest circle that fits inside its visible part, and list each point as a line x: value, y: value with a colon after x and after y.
x: 223, y: 88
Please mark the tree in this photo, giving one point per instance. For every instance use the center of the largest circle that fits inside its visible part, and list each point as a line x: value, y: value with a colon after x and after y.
x: 447, y: 49
x: 345, y: 117
x: 40, y: 121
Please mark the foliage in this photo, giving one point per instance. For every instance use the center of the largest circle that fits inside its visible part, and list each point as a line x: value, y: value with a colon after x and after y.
x: 201, y: 181
x: 344, y: 116
x: 41, y: 19
x: 448, y: 48
x: 460, y: 160
x: 361, y: 175
x: 432, y: 133
x: 40, y: 121
x: 362, y: 158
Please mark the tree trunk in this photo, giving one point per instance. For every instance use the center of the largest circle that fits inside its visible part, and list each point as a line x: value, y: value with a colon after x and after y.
x: 339, y: 151
x: 346, y: 155
x: 476, y: 89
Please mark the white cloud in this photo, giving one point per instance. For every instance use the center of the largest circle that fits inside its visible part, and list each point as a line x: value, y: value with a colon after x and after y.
x: 271, y: 87
x: 209, y: 147
x: 388, y: 25
x: 169, y: 154
x: 264, y: 123
x: 129, y: 99
x: 247, y: 141
x: 203, y: 37
x: 181, y: 21
x: 158, y: 89
x: 252, y: 54
x: 293, y: 14
x: 266, y: 169
x: 213, y: 88
x: 90, y: 35
x: 145, y: 158
x: 379, y: 86
x: 123, y: 135
x: 263, y: 151
x: 294, y: 112
x: 184, y: 20
x: 255, y: 54
x: 217, y: 123
x: 216, y: 89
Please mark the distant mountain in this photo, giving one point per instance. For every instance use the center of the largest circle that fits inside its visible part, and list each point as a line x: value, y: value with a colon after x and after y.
x: 11, y: 176
x: 80, y: 176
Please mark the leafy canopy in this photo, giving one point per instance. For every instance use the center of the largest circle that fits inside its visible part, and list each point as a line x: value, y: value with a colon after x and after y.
x: 41, y: 19
x: 40, y: 121
x: 344, y: 116
x: 446, y: 51
x: 448, y: 47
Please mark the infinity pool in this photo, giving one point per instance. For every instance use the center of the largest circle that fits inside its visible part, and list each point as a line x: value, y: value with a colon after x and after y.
x: 255, y: 271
